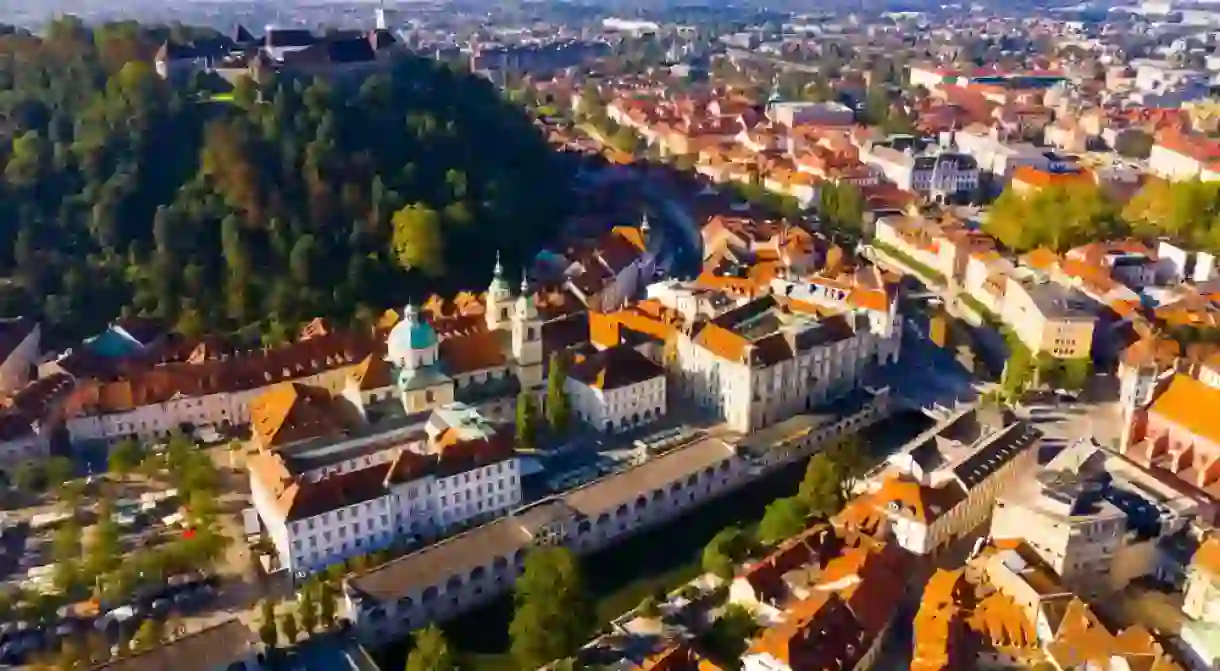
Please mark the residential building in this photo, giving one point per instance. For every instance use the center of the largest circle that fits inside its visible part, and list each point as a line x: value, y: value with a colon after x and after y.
x: 1179, y: 156
x: 443, y: 580
x: 1177, y: 434
x: 941, y: 245
x: 791, y: 114
x: 32, y: 416
x: 228, y: 646
x: 942, y: 484
x: 1049, y: 318
x: 939, y: 174
x: 609, y: 275
x: 1202, y: 593
x: 773, y: 357
x: 827, y: 598
x: 322, y: 502
x: 1093, y: 517
x: 20, y: 350
x: 1027, y: 179
x: 616, y: 389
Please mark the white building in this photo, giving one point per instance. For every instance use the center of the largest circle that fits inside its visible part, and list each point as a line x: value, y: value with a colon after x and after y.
x: 943, y: 483
x: 998, y: 158
x: 937, y: 174
x: 773, y: 357
x: 616, y: 389
x: 1093, y: 517
x: 444, y: 580
x: 320, y: 504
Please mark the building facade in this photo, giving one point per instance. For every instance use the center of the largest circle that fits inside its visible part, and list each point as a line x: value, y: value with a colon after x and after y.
x: 772, y: 358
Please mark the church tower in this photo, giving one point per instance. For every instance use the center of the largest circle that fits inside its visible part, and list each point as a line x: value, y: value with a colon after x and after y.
x: 527, y: 339
x: 499, y: 299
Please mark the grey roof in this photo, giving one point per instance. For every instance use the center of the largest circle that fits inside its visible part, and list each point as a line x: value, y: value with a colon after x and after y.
x: 459, y: 555
x: 1057, y: 302
x: 999, y: 449
x: 205, y: 650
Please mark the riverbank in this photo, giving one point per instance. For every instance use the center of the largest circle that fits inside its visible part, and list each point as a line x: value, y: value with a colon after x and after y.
x: 662, y: 558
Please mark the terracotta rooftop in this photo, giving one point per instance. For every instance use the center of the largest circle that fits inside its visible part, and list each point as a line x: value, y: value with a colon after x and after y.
x: 1191, y: 405
x: 614, y: 368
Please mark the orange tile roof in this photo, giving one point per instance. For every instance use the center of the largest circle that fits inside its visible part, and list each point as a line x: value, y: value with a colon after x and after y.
x: 723, y: 343
x: 678, y: 657
x: 290, y: 412
x: 1191, y: 405
x: 1040, y: 258
x: 1042, y: 178
x: 1207, y: 557
x: 476, y: 351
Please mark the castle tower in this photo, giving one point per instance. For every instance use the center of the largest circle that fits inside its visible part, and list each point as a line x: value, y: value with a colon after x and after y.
x: 527, y: 339
x: 499, y: 298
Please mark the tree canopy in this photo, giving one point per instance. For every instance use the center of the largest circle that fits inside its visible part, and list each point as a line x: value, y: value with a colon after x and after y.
x: 1058, y: 216
x: 554, y: 615
x: 121, y: 195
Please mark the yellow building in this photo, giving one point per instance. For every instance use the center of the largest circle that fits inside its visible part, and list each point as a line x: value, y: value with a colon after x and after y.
x: 1049, y: 318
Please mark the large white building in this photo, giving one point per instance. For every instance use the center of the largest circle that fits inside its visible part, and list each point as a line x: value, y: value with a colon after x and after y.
x: 322, y: 502
x: 943, y: 483
x: 937, y: 174
x: 1093, y: 517
x: 616, y: 389
x: 446, y: 579
x: 771, y: 358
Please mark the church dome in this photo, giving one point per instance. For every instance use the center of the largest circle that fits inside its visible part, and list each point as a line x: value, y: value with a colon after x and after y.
x: 412, y: 333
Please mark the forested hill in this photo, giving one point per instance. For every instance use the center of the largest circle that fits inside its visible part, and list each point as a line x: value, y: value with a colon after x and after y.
x: 119, y: 195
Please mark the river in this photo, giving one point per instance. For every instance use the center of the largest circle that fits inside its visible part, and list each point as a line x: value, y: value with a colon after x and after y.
x: 661, y: 558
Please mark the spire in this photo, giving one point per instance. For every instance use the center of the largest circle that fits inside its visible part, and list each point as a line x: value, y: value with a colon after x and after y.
x: 525, y: 284
x: 775, y: 96
x: 498, y: 271
x: 410, y: 313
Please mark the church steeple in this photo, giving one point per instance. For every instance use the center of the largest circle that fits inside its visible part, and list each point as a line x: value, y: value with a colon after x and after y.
x: 775, y: 96
x: 499, y: 297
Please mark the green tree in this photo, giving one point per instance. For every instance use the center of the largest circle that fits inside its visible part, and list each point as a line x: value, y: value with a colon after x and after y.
x: 307, y: 608
x: 782, y: 519
x: 289, y: 629
x: 418, y: 243
x: 125, y: 457
x: 431, y: 651
x: 726, y: 548
x: 527, y: 422
x: 27, y: 476
x: 553, y: 614
x: 59, y: 471
x: 558, y: 405
x: 327, y: 593
x: 151, y: 634
x: 1133, y: 143
x: 1076, y: 372
x: 822, y: 487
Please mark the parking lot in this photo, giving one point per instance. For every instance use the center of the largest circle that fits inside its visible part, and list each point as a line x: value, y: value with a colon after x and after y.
x: 148, y: 564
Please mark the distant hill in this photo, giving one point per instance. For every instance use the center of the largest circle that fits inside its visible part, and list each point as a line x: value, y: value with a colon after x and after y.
x: 254, y: 211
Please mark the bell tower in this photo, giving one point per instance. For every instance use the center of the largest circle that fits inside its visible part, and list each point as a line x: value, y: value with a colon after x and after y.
x: 499, y: 299
x: 527, y: 339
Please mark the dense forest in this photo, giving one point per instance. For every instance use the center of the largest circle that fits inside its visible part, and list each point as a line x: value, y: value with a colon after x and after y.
x: 120, y: 195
